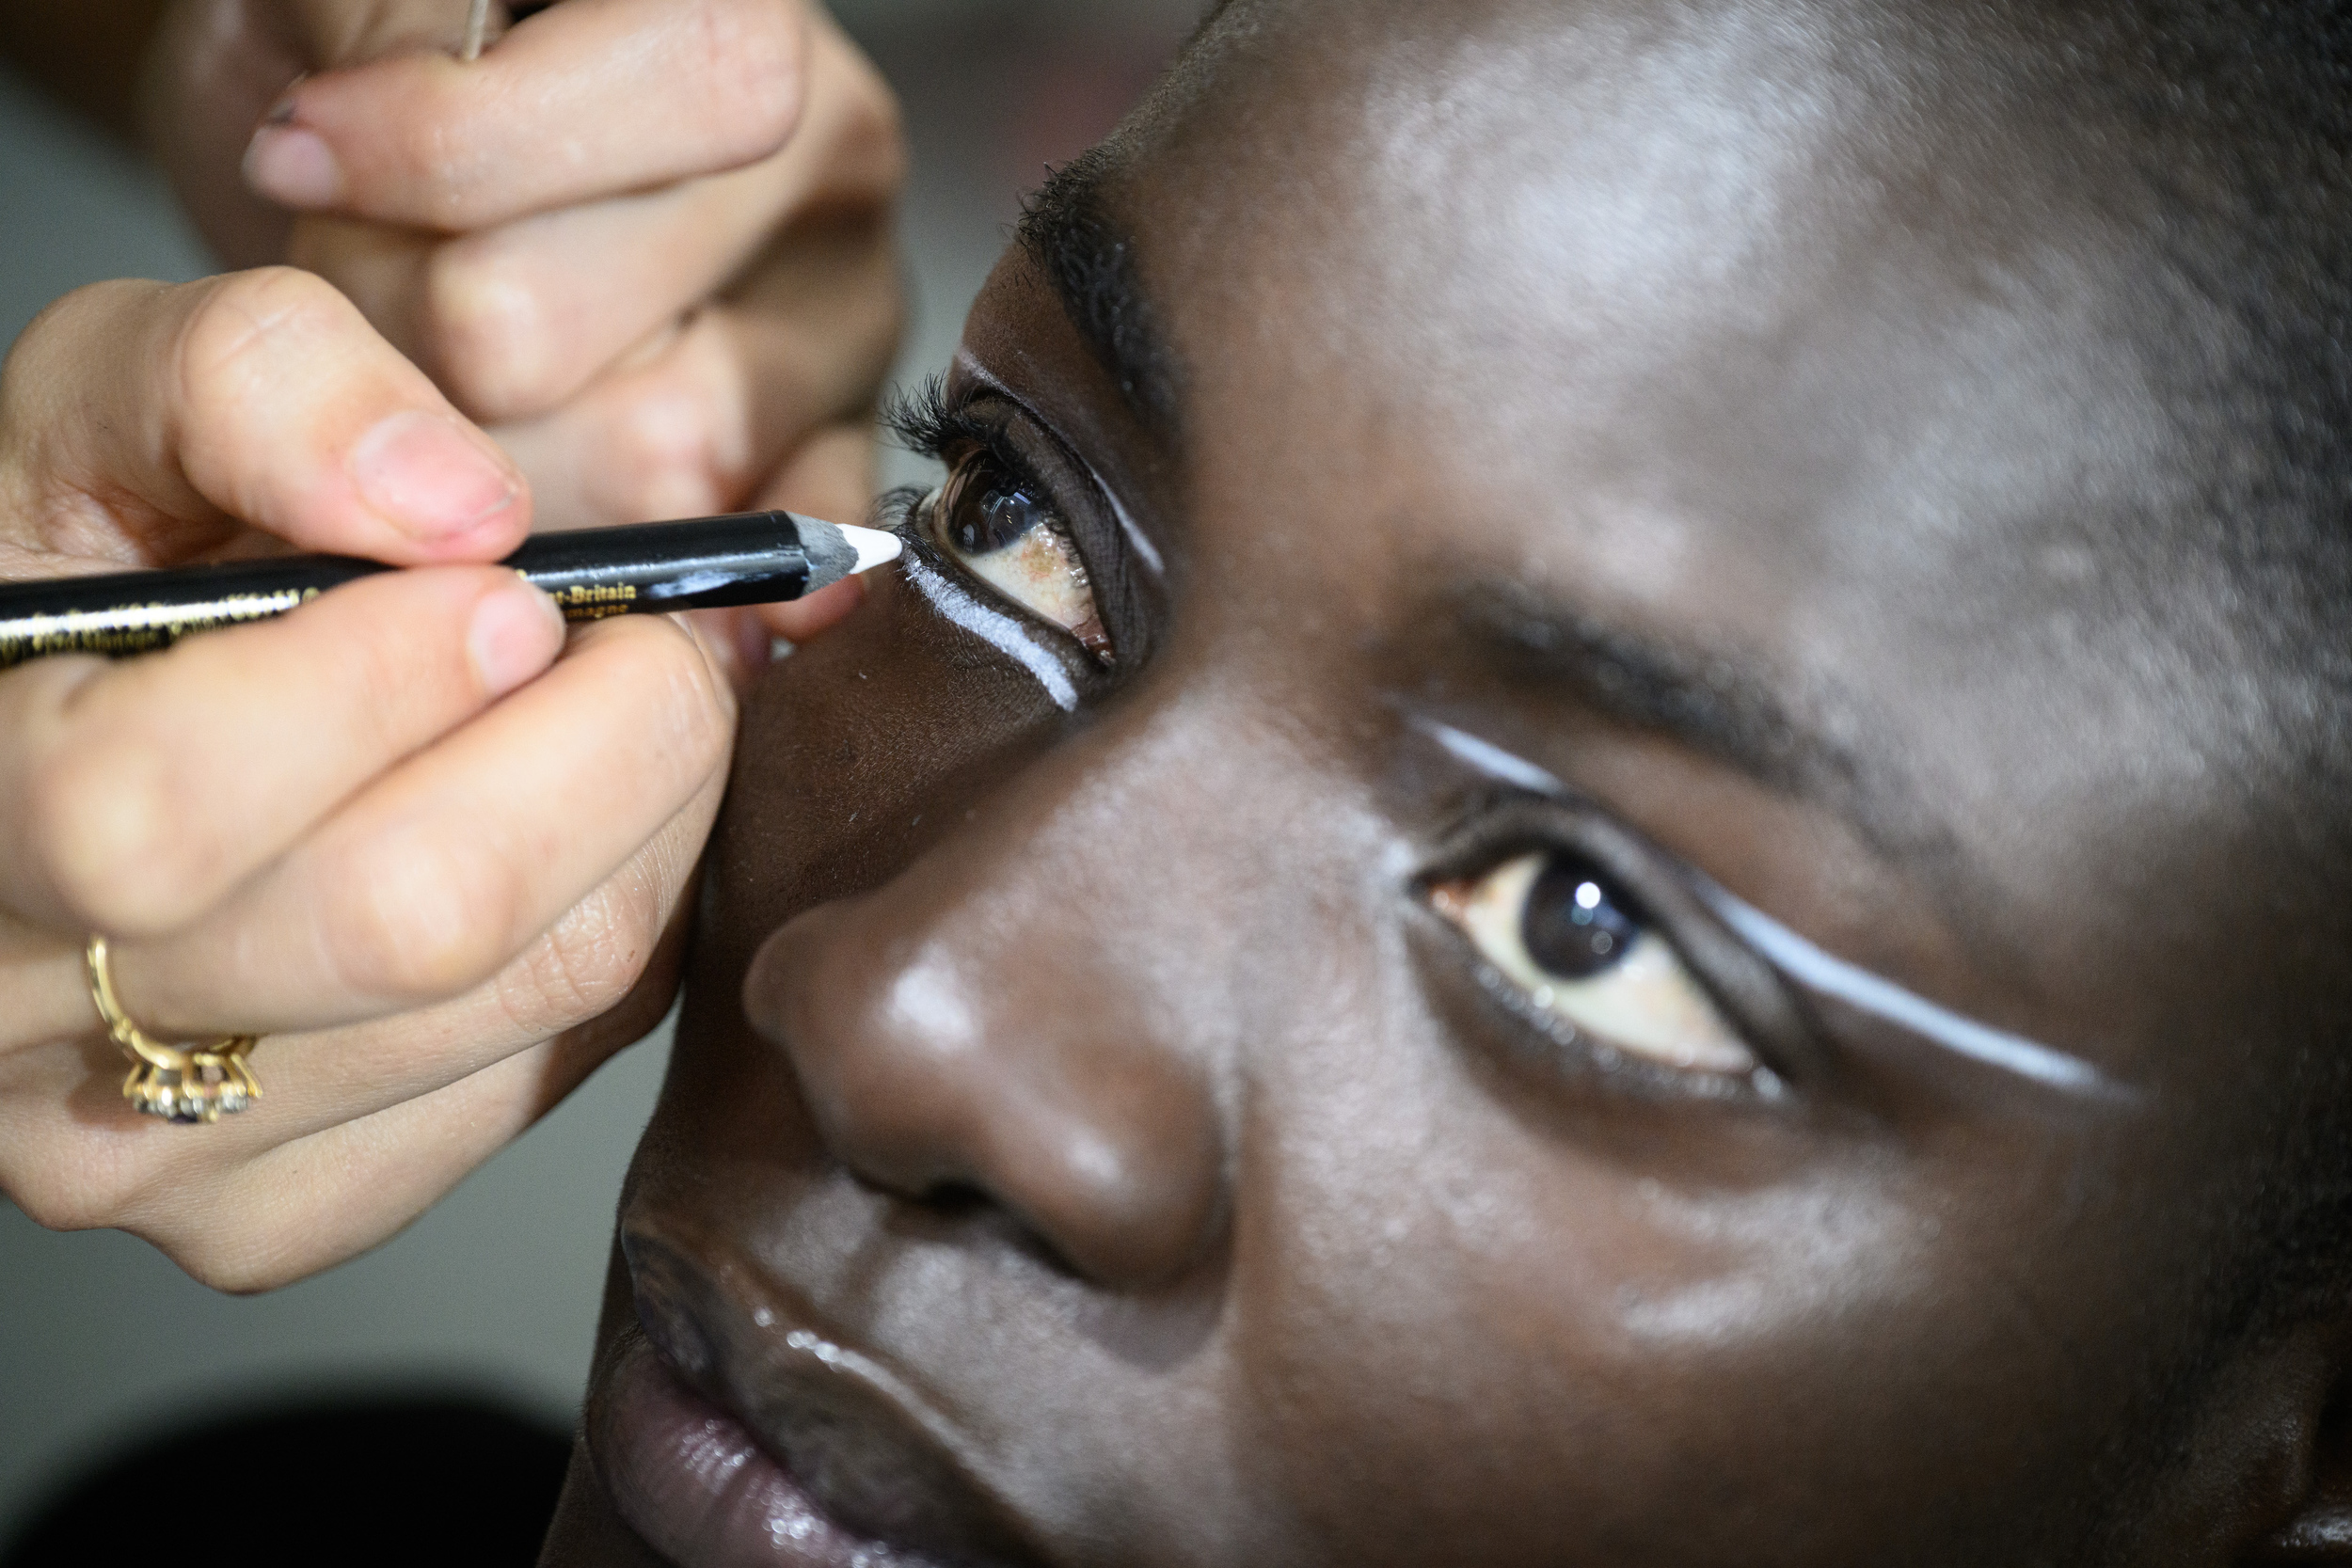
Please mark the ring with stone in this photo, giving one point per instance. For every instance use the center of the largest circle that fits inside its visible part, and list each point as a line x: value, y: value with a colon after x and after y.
x: 179, y: 1082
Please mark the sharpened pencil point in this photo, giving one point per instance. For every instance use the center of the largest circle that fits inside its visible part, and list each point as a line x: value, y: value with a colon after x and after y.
x: 874, y: 547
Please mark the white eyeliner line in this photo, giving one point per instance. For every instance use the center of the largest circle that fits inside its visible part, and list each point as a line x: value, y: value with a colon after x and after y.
x: 1491, y: 759
x: 995, y: 627
x: 1859, y: 988
x: 1804, y: 962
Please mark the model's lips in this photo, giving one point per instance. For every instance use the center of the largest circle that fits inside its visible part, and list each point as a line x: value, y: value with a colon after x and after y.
x: 693, y: 1483
x: 732, y: 1434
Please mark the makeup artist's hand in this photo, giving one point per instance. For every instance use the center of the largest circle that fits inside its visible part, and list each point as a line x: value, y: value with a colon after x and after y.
x: 646, y: 241
x: 433, y: 852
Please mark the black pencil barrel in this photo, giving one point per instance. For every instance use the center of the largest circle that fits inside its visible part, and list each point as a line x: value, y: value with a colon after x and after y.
x: 705, y: 562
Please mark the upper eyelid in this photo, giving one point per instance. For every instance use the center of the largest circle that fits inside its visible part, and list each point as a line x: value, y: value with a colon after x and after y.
x: 1109, y: 544
x: 939, y: 426
x: 970, y: 382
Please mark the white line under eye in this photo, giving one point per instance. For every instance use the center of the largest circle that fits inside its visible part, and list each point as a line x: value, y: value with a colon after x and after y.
x: 1584, y: 957
x: 1009, y: 635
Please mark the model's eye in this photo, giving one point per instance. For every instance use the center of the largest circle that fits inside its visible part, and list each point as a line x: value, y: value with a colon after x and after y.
x: 995, y: 526
x: 1556, y: 926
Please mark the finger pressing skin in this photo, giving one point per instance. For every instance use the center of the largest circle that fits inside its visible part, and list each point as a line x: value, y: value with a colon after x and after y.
x: 145, y: 791
x: 515, y: 320
x: 586, y: 99
x: 830, y: 477
x: 137, y: 420
x: 439, y: 872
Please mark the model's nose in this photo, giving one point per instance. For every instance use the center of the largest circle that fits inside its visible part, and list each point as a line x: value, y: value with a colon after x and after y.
x: 1004, y: 1019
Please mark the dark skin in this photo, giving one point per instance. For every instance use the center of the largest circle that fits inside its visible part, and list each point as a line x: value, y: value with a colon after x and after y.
x: 88, y: 54
x: 1117, y: 1079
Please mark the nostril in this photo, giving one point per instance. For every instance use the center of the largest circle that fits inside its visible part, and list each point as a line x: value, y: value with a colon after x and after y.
x: 970, y: 1210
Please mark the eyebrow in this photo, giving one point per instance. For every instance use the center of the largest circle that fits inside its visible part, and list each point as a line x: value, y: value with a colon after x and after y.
x: 1722, y: 704
x: 1068, y: 232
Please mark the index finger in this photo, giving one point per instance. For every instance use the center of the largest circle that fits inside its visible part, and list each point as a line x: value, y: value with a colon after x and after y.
x: 585, y: 99
x: 147, y: 419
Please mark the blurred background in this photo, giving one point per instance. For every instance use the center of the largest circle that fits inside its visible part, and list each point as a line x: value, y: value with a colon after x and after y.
x: 494, y: 1294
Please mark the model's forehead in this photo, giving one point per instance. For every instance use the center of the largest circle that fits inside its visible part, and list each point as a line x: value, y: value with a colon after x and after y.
x: 1562, y: 217
x: 1721, y: 316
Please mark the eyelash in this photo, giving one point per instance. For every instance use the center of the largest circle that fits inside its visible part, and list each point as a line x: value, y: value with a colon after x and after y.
x: 926, y: 424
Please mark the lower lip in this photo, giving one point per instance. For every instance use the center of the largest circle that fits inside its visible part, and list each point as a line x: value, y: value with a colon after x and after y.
x: 690, y: 1479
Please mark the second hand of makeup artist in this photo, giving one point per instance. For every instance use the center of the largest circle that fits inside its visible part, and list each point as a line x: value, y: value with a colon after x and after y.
x: 434, y: 854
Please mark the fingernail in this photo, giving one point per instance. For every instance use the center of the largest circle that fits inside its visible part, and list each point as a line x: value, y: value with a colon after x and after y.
x: 294, y: 167
x: 429, y: 476
x: 517, y: 632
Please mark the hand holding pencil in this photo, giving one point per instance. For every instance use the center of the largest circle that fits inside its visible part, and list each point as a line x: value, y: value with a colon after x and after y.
x: 431, y: 849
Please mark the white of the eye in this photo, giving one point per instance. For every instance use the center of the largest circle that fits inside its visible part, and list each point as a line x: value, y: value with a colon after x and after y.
x: 1645, y: 1005
x: 1037, y: 573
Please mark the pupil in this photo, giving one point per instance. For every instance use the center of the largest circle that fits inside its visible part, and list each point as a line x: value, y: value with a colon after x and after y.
x: 1576, y: 924
x: 990, y: 515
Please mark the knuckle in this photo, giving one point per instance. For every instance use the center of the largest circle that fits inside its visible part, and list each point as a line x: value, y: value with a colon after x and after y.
x: 662, y: 456
x: 115, y: 838
x: 749, y: 56
x: 245, y: 322
x: 62, y: 1205
x: 872, y: 150
x: 589, y: 961
x: 235, y: 1266
x: 485, y: 332
x: 418, y: 918
x: 74, y: 1189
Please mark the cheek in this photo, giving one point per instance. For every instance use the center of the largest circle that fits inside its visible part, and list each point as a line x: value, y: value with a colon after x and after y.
x: 854, y: 754
x: 857, y: 753
x: 1491, y: 1330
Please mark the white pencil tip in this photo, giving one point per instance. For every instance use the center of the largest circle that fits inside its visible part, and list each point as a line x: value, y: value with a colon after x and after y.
x: 874, y: 547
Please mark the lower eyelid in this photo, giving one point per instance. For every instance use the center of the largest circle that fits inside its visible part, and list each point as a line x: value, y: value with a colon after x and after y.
x: 1572, y: 1055
x: 998, y: 628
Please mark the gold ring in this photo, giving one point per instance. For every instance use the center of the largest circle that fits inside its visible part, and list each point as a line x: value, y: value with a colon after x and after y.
x: 178, y: 1082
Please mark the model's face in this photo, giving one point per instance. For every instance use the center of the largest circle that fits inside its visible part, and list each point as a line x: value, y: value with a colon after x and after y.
x: 1314, y: 1068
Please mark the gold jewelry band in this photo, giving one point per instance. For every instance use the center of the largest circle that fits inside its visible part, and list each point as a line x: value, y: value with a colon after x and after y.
x: 181, y: 1083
